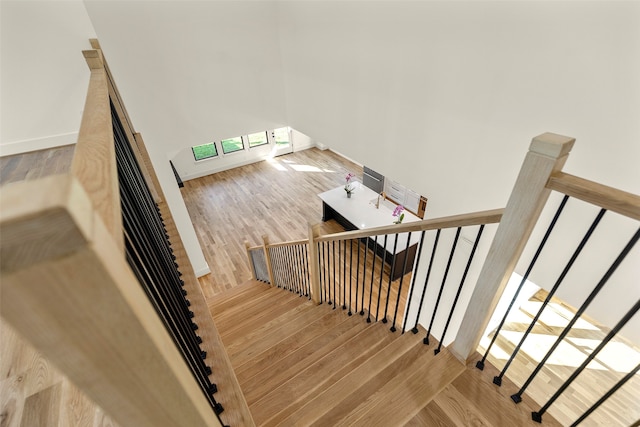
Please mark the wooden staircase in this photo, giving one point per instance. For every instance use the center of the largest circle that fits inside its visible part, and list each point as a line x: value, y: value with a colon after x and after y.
x: 299, y: 364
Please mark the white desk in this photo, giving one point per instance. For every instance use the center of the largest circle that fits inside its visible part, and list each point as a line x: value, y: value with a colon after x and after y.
x: 359, y: 212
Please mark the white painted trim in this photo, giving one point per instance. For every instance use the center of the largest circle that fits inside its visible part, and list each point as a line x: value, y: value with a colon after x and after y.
x: 345, y: 157
x: 235, y: 165
x: 27, y: 145
x: 203, y: 271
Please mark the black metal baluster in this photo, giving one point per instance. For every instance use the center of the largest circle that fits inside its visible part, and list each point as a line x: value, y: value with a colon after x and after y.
x: 344, y: 275
x: 358, y: 275
x: 321, y: 271
x: 444, y: 279
x: 364, y: 273
x: 607, y: 395
x: 382, y: 256
x: 413, y: 282
x: 350, y: 274
x: 537, y: 416
x: 404, y: 268
x: 455, y: 300
x: 335, y: 296
x: 373, y: 269
x: 391, y: 274
x: 518, y: 396
x: 497, y: 380
x: 480, y: 363
x: 426, y: 280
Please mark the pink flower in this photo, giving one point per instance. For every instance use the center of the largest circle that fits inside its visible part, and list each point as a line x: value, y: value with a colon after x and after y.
x: 349, y: 176
x: 398, y: 210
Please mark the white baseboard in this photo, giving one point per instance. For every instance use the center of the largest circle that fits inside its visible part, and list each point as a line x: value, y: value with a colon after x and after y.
x: 27, y: 145
x: 203, y: 271
x: 345, y: 157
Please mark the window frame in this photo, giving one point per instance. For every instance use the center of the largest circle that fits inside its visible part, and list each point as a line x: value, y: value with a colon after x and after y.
x: 266, y: 139
x: 213, y: 144
x: 243, y: 148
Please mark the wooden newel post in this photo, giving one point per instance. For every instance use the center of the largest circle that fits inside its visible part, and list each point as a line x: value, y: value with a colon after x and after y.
x: 547, y: 154
x: 267, y: 257
x: 253, y: 268
x: 314, y: 232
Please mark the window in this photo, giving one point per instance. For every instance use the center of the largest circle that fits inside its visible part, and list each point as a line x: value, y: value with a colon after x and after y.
x: 256, y: 139
x: 232, y: 144
x: 204, y: 151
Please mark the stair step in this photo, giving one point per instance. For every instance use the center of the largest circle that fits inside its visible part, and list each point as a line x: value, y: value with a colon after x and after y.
x: 267, y: 308
x: 273, y: 355
x: 229, y: 299
x: 406, y: 393
x: 299, y: 364
x: 271, y: 332
x: 285, y: 399
x: 289, y: 366
x: 347, y: 392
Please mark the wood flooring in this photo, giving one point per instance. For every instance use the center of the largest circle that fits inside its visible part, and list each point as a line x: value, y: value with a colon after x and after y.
x: 277, y: 198
x: 305, y: 365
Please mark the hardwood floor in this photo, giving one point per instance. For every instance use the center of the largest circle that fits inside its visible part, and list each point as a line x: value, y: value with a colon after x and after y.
x: 277, y: 198
x: 218, y: 200
x: 622, y: 409
x: 305, y: 365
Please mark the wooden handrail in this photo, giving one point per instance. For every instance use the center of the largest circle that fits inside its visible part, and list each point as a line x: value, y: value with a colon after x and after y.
x: 606, y: 197
x: 464, y: 220
x: 288, y: 243
x: 68, y: 289
x: 94, y: 160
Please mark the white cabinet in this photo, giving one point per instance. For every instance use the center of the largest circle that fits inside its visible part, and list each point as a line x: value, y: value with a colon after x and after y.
x: 395, y: 191
x: 411, y: 200
x: 403, y: 196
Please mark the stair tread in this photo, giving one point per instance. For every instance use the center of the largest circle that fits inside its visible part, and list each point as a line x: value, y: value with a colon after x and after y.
x: 268, y: 309
x: 273, y: 355
x: 258, y: 339
x: 241, y: 309
x: 397, y: 354
x: 265, y: 381
x: 236, y: 295
x: 285, y: 399
x: 406, y: 394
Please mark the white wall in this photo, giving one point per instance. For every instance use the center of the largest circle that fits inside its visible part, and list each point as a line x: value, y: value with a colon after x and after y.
x: 446, y: 96
x: 44, y: 77
x: 442, y: 96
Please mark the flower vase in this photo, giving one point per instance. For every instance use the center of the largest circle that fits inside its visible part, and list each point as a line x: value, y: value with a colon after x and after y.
x: 348, y: 195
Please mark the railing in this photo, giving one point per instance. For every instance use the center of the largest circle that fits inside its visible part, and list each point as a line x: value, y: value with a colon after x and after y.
x: 284, y: 265
x: 76, y: 268
x: 351, y: 271
x: 607, y: 200
x: 355, y: 269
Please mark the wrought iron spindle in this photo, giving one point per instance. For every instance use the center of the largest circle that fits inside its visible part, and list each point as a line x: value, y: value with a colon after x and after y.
x: 518, y: 396
x: 464, y: 276
x: 497, y: 380
x: 413, y: 282
x: 607, y: 395
x: 480, y: 363
x: 426, y: 280
x: 373, y: 269
x: 391, y: 275
x: 444, y: 279
x: 384, y: 245
x: 537, y: 416
x: 404, y: 268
